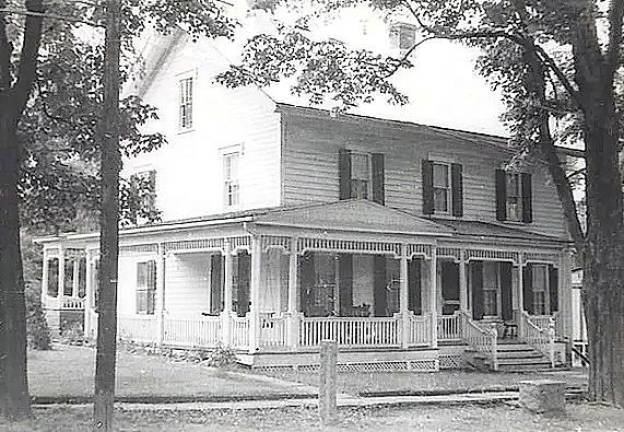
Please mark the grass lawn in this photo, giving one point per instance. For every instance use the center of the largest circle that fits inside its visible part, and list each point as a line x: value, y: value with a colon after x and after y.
x: 69, y: 371
x: 579, y: 417
x: 404, y: 382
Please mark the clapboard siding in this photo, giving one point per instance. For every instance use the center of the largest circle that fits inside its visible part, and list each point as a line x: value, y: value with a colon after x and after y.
x: 189, y: 169
x: 187, y: 284
x: 310, y: 158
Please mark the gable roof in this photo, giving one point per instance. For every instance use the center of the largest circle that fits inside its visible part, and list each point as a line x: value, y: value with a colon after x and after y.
x: 353, y: 215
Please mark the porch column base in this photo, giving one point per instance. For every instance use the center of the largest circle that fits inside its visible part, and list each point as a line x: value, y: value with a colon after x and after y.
x: 226, y: 328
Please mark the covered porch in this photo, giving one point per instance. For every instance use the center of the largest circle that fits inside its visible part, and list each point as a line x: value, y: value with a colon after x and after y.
x: 388, y: 286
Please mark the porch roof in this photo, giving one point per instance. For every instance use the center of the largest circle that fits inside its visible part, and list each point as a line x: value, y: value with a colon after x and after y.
x: 492, y: 230
x: 353, y: 215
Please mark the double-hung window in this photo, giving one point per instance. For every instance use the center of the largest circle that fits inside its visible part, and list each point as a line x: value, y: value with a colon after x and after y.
x: 441, y: 187
x: 146, y: 287
x: 185, y: 87
x: 360, y: 175
x: 490, y: 289
x: 514, y: 197
x: 230, y: 179
x: 540, y: 289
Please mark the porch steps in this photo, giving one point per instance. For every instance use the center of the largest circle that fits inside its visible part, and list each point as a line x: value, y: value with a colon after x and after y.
x: 512, y: 356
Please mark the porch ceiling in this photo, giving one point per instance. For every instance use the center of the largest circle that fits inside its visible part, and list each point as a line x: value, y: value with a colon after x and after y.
x: 353, y: 215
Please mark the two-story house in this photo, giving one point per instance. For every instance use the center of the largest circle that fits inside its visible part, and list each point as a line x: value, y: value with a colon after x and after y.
x: 284, y: 225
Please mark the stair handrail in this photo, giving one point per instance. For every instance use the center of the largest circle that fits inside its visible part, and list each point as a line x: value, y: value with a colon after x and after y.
x: 541, y: 339
x: 480, y: 339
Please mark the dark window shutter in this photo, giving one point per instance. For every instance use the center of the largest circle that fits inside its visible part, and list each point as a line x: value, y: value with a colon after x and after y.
x: 414, y: 298
x: 457, y: 190
x: 345, y: 288
x: 527, y: 288
x: 501, y: 195
x: 379, y: 294
x: 476, y: 279
x: 307, y: 279
x: 151, y: 286
x: 344, y: 173
x: 527, y: 198
x: 216, y: 283
x: 242, y: 289
x: 141, y: 286
x: 379, y: 181
x: 506, y: 288
x: 553, y: 286
x: 427, y: 186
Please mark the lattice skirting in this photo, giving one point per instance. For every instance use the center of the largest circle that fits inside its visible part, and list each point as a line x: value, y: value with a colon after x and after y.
x: 389, y: 366
x: 451, y: 362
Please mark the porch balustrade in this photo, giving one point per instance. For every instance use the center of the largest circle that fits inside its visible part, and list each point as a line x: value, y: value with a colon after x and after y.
x: 272, y: 331
x: 71, y: 303
x: 450, y: 327
x: 419, y: 329
x: 479, y: 338
x: 541, y: 339
x: 545, y: 321
x: 137, y: 328
x: 202, y: 332
x: 351, y: 331
x: 239, y: 332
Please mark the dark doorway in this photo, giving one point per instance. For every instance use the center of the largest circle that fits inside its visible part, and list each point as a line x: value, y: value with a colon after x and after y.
x: 450, y: 287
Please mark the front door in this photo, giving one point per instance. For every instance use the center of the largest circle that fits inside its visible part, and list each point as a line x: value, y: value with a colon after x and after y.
x: 450, y: 287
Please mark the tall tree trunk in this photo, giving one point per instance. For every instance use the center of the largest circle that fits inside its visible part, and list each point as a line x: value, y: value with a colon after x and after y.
x: 14, y: 399
x: 109, y: 232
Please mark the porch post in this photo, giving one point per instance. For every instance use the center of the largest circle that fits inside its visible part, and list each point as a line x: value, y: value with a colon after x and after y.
x: 433, y: 299
x: 88, y: 301
x: 520, y: 295
x: 293, y: 304
x: 565, y: 295
x: 227, y: 294
x: 463, y: 283
x: 254, y: 295
x: 44, y: 279
x: 160, y: 294
x: 76, y: 277
x: 403, y: 298
x: 61, y: 277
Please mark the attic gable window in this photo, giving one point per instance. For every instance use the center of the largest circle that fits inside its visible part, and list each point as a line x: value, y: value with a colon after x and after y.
x: 402, y: 36
x: 185, y: 87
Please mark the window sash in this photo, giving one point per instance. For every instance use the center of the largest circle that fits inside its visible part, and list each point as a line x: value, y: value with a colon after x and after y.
x: 514, y: 197
x: 230, y: 179
x: 186, y: 103
x: 539, y: 285
x: 146, y: 287
x: 441, y: 187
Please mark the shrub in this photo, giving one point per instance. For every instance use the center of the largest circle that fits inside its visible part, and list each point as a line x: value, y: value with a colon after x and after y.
x: 220, y: 357
x: 72, y: 334
x: 37, y: 331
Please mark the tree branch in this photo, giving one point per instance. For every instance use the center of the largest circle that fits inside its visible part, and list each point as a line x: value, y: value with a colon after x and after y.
x: 6, y: 50
x: 576, y: 172
x: 28, y: 13
x: 612, y: 57
x: 28, y: 57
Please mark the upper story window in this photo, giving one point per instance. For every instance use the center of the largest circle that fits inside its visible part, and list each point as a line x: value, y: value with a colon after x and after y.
x: 185, y: 87
x: 442, y: 186
x: 513, y: 197
x: 402, y: 36
x: 230, y: 179
x: 361, y: 180
x: 361, y: 175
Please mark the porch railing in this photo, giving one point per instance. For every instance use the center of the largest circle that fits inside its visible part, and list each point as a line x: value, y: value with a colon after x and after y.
x: 239, y: 331
x: 272, y: 331
x: 545, y: 321
x: 72, y: 303
x: 450, y: 327
x: 480, y: 339
x: 541, y: 339
x: 419, y: 330
x: 351, y: 331
x: 204, y: 332
x: 137, y: 328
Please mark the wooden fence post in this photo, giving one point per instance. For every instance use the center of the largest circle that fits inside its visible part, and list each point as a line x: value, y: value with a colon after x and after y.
x: 327, y: 388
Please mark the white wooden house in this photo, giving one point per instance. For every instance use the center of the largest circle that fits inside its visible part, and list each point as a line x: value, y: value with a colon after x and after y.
x: 284, y: 225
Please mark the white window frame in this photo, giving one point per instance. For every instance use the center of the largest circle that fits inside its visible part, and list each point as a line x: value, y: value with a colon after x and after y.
x: 185, y: 102
x: 449, y: 188
x: 231, y: 185
x: 369, y: 181
x: 519, y: 197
